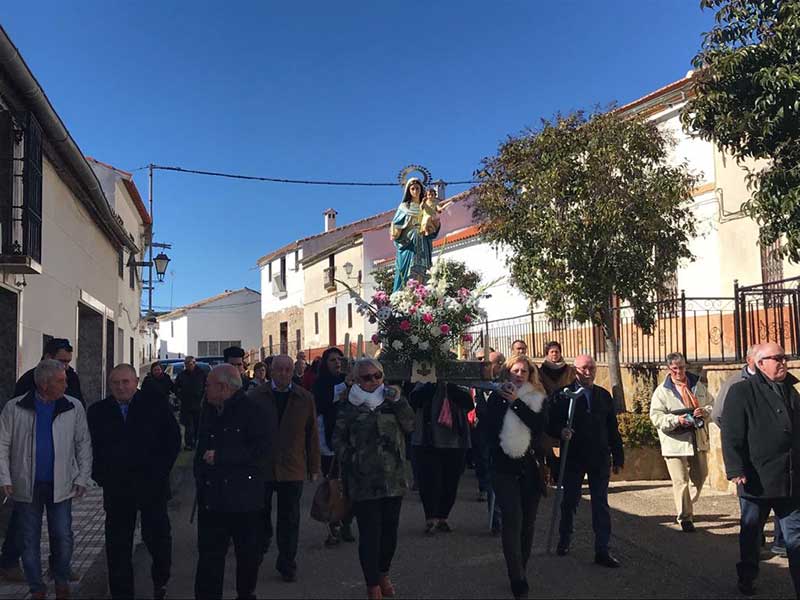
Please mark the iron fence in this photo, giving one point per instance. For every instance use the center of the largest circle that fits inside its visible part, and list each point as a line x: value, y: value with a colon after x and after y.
x: 768, y: 312
x: 702, y: 329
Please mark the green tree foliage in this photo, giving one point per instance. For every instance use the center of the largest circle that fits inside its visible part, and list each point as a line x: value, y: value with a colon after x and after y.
x: 384, y: 279
x: 748, y: 102
x: 590, y: 209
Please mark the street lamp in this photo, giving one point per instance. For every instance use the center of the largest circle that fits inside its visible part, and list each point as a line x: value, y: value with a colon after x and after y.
x: 161, y: 261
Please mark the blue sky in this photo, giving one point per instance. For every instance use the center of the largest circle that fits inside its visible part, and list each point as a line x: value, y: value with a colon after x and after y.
x: 348, y: 91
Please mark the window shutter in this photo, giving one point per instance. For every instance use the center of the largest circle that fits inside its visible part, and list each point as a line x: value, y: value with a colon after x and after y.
x: 32, y: 190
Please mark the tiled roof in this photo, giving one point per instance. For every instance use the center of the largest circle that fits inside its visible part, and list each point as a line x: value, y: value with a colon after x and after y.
x: 640, y: 103
x: 183, y: 309
x: 127, y: 181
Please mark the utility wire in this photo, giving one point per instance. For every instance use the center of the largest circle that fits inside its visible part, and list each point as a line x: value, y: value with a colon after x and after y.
x: 284, y: 180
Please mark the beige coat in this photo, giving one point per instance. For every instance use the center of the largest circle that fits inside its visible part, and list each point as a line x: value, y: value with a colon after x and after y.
x: 678, y: 441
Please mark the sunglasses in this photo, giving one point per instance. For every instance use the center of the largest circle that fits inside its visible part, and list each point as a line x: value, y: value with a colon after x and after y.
x: 777, y: 358
x: 371, y: 377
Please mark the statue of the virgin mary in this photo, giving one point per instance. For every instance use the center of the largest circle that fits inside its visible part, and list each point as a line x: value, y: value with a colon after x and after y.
x: 414, y: 244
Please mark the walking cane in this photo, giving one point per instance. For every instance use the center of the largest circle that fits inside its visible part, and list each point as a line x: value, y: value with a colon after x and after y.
x: 562, y: 467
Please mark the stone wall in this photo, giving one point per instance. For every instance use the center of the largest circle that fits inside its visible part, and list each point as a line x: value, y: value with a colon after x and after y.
x: 271, y: 326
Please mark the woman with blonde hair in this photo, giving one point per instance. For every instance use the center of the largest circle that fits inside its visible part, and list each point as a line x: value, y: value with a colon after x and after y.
x: 515, y: 424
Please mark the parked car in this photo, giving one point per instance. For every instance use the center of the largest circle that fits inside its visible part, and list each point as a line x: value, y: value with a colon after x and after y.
x: 211, y: 360
x: 173, y: 369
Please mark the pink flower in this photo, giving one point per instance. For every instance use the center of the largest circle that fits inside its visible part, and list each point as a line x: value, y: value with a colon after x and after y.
x: 463, y: 292
x: 445, y: 329
x: 467, y: 319
x: 412, y: 283
x: 405, y: 325
x: 376, y: 339
x: 412, y: 310
x: 467, y: 337
x: 427, y: 318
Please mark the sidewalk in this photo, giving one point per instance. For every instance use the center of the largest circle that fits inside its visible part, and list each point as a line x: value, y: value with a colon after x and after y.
x: 88, y: 520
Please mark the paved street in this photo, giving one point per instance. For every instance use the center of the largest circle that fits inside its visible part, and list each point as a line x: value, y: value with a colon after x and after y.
x: 658, y: 560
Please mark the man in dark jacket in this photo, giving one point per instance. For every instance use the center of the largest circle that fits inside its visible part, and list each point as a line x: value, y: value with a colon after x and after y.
x: 761, y: 447
x: 190, y: 385
x: 135, y: 441
x: 294, y: 458
x: 594, y: 439
x: 229, y: 467
x: 57, y: 349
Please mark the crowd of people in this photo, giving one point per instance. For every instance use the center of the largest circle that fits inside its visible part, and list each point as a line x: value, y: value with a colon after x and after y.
x: 257, y: 440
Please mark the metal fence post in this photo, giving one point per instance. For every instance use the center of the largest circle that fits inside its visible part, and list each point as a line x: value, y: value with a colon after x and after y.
x: 683, y: 325
x: 737, y: 334
x: 486, y: 341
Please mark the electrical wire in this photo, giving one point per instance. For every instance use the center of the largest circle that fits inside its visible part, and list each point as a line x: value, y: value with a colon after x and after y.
x: 283, y: 179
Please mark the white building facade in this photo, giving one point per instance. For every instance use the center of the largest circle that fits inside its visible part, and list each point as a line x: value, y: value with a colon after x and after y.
x: 207, y: 327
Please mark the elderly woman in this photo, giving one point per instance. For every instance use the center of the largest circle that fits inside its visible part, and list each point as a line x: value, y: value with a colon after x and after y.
x: 514, y: 427
x: 157, y: 384
x: 678, y: 410
x: 369, y: 440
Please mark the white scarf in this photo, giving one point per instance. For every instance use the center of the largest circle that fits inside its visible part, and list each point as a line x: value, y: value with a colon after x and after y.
x: 372, y: 400
x: 515, y: 437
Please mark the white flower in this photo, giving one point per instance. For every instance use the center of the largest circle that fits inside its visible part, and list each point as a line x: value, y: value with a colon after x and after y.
x: 424, y: 345
x: 414, y: 339
x: 445, y: 346
x: 436, y: 330
x: 397, y: 345
x: 384, y: 313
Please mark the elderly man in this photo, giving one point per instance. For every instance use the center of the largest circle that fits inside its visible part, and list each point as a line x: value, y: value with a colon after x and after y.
x: 232, y: 449
x: 135, y: 441
x: 748, y: 370
x: 189, y: 388
x: 45, y: 461
x: 761, y: 448
x: 678, y: 410
x: 295, y: 457
x: 519, y: 348
x: 595, y: 450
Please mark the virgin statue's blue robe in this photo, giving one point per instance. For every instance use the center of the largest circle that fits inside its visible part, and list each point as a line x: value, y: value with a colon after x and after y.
x: 414, y: 248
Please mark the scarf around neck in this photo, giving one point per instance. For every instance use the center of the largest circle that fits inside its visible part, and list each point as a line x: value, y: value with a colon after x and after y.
x: 688, y: 398
x: 515, y: 436
x: 371, y: 400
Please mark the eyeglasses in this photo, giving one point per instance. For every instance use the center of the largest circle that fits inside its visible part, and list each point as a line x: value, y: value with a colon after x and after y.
x: 371, y: 377
x: 777, y: 358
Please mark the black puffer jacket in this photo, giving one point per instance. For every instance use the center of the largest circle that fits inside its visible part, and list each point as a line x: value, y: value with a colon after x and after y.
x: 239, y: 436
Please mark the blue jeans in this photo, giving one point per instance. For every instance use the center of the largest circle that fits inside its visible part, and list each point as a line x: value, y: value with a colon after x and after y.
x: 601, y: 516
x: 754, y: 514
x: 59, y: 525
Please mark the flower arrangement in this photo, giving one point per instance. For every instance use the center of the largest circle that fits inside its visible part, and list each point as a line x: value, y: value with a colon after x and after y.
x: 425, y: 321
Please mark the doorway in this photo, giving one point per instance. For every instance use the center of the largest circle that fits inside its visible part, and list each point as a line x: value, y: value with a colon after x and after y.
x: 332, y: 326
x: 90, y: 353
x: 9, y: 321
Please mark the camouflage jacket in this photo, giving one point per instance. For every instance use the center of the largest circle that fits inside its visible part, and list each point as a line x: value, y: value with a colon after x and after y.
x: 370, y: 446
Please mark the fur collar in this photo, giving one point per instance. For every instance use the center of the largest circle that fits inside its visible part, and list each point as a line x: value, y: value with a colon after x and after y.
x: 370, y: 400
x: 515, y: 437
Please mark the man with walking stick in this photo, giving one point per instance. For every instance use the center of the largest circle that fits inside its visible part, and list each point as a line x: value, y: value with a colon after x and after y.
x: 595, y: 448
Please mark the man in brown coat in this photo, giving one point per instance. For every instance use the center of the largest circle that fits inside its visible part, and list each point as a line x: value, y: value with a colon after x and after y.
x: 294, y: 457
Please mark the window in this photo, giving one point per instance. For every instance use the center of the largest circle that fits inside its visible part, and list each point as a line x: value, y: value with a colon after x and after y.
x: 215, y: 348
x: 331, y: 261
x: 121, y: 263
x: 316, y: 323
x: 172, y: 328
x: 20, y: 206
x: 771, y: 262
x: 350, y: 315
x: 298, y: 339
x: 283, y: 269
x: 132, y: 273
x: 271, y: 351
x: 130, y: 344
x: 297, y: 260
x: 269, y: 271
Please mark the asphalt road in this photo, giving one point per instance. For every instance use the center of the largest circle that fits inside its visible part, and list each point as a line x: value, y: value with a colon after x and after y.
x: 658, y: 560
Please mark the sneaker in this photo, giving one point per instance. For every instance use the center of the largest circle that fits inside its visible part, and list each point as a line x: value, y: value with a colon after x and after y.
x: 687, y: 527
x: 159, y: 592
x: 332, y: 540
x: 430, y: 528
x: 562, y: 549
x: 444, y: 527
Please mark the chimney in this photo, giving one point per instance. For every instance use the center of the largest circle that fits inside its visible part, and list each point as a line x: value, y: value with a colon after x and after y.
x: 330, y: 219
x: 439, y: 186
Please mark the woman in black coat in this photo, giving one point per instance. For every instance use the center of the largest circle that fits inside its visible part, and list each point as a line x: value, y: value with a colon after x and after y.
x: 329, y: 376
x: 515, y: 422
x: 157, y: 384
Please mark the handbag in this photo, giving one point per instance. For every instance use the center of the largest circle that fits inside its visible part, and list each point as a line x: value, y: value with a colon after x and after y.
x: 330, y: 503
x: 445, y: 414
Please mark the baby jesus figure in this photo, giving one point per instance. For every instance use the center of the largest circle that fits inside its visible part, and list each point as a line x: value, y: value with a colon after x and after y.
x: 429, y: 221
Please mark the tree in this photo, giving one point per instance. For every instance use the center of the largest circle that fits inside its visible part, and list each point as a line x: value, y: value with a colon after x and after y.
x: 591, y: 210
x: 747, y: 101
